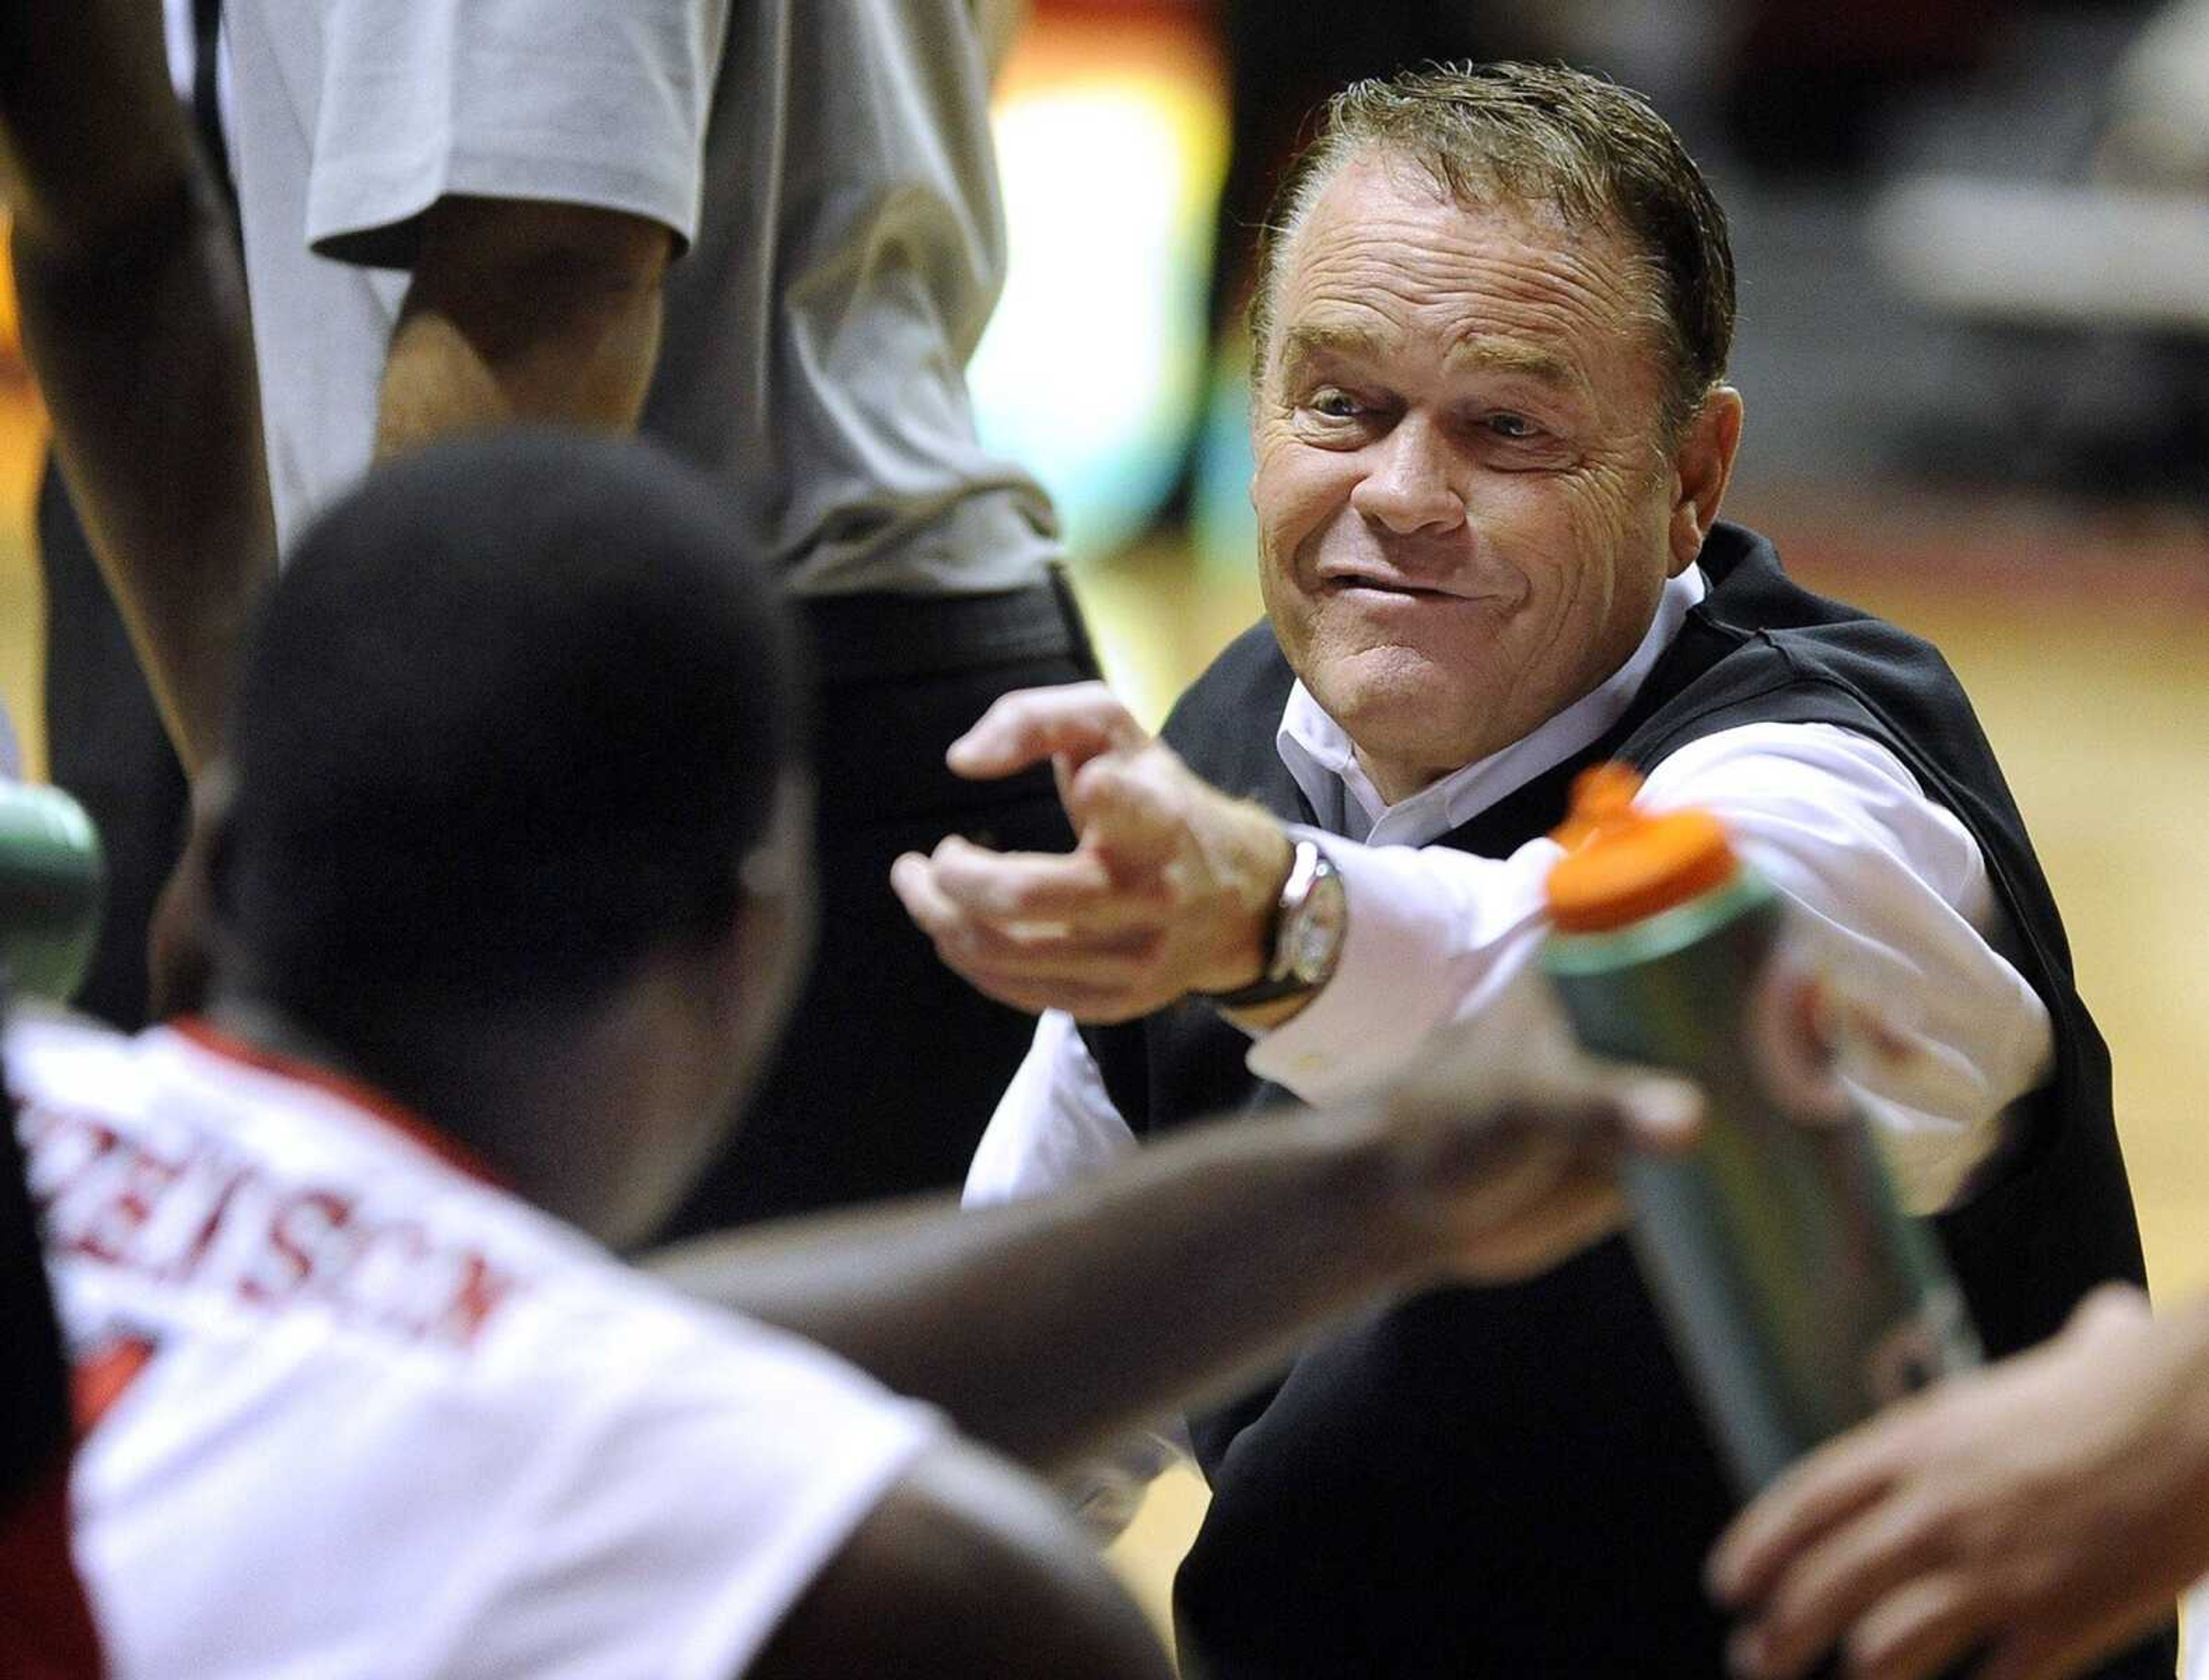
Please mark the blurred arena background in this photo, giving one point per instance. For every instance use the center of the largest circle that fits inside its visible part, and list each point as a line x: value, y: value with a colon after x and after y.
x: 1974, y: 342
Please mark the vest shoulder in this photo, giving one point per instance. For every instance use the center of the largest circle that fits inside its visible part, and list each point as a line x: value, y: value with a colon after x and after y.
x: 1249, y: 671
x: 1751, y: 593
x: 1762, y: 643
x: 1224, y: 723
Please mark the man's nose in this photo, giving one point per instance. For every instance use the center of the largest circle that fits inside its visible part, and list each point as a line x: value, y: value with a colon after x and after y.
x: 1409, y: 486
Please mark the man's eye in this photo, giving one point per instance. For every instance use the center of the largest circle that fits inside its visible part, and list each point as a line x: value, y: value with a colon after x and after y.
x: 1511, y: 425
x: 1332, y: 404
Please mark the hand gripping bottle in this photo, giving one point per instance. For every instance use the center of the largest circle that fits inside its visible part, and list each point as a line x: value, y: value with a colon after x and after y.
x: 52, y: 882
x: 1799, y: 1298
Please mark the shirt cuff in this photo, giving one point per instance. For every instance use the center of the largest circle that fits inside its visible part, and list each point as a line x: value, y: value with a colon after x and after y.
x: 1401, y: 973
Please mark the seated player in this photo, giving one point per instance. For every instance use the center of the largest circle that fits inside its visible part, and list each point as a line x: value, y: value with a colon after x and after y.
x: 48, y: 892
x: 45, y: 1626
x: 507, y: 896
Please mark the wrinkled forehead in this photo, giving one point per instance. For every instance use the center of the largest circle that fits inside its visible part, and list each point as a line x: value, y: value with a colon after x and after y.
x: 1382, y: 220
x: 1370, y: 181
x: 1374, y: 185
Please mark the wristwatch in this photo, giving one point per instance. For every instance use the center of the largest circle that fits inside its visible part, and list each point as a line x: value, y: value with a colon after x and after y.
x: 1304, y: 936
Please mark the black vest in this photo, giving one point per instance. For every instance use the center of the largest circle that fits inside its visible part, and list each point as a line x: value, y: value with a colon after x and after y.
x: 1514, y: 1481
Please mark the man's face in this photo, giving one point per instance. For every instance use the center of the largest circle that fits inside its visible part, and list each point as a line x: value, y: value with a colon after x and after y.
x: 1463, y: 504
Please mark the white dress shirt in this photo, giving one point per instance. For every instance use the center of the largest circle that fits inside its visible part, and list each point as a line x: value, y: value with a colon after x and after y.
x: 1891, y: 898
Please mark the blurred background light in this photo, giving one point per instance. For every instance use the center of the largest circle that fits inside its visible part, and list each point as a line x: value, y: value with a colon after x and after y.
x: 1112, y: 138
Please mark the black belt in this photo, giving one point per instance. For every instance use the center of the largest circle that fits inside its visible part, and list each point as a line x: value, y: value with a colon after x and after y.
x: 881, y: 637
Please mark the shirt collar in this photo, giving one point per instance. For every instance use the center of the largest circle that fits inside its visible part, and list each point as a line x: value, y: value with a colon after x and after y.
x: 1324, y: 763
x: 390, y: 1117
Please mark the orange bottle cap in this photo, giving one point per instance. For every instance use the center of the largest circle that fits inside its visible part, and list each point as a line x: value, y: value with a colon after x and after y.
x: 1622, y: 864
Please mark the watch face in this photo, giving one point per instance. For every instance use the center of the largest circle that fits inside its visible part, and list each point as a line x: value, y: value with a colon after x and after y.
x: 1315, y: 934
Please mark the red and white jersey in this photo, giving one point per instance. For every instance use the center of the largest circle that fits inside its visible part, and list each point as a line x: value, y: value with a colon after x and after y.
x: 359, y: 1412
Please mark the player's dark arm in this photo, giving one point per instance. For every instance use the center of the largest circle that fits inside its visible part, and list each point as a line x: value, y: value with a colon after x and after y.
x: 1048, y: 1328
x: 965, y: 1568
x: 523, y: 311
x: 134, y: 323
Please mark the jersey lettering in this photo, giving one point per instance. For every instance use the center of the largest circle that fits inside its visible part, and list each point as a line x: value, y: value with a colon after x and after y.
x: 205, y: 1218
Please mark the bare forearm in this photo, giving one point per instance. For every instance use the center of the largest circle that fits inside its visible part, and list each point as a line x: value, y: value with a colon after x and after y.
x: 523, y: 312
x: 440, y: 380
x: 1050, y: 1327
x: 145, y: 358
x: 134, y: 323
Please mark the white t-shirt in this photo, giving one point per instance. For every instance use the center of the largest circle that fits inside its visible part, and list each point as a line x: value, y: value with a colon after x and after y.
x: 364, y: 1413
x: 351, y: 117
x: 832, y: 173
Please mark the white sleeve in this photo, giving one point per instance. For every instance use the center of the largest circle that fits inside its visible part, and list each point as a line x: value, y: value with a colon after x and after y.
x: 1893, y: 899
x: 1895, y: 908
x: 545, y: 99
x: 680, y: 1515
x: 1433, y: 935
x: 1055, y: 1123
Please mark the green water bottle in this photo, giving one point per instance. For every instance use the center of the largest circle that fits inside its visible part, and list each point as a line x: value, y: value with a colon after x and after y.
x: 52, y: 879
x: 1799, y: 1297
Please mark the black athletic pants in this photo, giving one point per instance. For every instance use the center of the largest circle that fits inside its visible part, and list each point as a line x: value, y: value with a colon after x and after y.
x: 893, y: 1063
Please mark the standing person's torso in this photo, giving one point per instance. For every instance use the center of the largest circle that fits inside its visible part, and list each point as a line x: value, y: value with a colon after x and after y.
x: 351, y: 1410
x: 849, y: 249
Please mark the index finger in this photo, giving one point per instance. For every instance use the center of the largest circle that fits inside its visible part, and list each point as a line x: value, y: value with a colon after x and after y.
x: 1076, y: 721
x: 1040, y: 886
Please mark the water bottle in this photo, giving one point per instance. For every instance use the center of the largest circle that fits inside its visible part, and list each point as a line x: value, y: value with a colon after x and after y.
x: 52, y: 879
x: 1799, y: 1297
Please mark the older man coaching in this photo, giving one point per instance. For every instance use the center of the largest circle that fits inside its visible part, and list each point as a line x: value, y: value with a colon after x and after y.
x: 1492, y: 440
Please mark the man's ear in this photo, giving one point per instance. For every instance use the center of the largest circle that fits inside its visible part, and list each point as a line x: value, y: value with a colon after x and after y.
x: 1701, y: 468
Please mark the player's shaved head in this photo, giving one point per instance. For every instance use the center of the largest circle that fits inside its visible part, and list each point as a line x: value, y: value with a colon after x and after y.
x: 515, y: 716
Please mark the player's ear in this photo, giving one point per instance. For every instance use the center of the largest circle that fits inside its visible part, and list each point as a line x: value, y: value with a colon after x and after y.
x: 1702, y: 466
x: 769, y: 946
x: 777, y: 874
